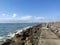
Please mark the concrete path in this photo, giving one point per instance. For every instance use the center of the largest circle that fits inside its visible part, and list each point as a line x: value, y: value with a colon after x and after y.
x: 48, y: 38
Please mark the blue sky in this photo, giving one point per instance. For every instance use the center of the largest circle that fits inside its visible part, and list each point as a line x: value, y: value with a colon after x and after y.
x: 29, y: 10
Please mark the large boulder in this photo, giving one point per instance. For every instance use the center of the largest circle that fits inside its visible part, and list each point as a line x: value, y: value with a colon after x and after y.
x: 7, y: 42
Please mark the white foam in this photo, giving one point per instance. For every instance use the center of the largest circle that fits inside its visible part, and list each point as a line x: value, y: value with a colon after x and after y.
x: 11, y: 35
x: 18, y: 31
x: 2, y: 38
x: 23, y: 29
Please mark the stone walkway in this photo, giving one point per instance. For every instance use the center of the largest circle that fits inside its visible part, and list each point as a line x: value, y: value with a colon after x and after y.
x: 48, y: 38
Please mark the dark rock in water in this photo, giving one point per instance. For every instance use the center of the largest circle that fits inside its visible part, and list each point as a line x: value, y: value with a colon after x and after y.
x: 17, y: 35
x: 23, y: 38
x: 7, y: 42
x: 25, y: 34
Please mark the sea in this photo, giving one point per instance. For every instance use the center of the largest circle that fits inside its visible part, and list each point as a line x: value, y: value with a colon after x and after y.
x: 7, y: 30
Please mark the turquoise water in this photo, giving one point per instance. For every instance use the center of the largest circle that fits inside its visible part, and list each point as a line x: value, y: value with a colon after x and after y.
x: 6, y: 28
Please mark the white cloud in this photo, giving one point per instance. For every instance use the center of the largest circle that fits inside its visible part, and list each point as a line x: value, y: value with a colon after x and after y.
x: 14, y: 15
x: 4, y: 14
x: 25, y: 17
x: 31, y: 19
x: 39, y: 18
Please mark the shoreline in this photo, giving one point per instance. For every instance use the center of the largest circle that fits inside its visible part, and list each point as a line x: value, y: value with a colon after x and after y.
x: 24, y: 30
x: 31, y: 34
x: 11, y: 35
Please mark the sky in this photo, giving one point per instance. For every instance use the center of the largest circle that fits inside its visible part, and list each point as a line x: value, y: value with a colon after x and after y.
x: 29, y: 11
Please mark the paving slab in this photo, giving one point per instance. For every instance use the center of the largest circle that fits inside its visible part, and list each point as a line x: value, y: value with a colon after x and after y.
x: 48, y: 38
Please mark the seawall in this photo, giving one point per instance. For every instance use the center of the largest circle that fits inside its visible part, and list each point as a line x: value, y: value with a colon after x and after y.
x: 29, y: 36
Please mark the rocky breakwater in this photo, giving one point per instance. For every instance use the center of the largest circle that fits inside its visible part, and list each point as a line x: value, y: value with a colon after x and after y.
x: 29, y: 36
x: 55, y: 30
